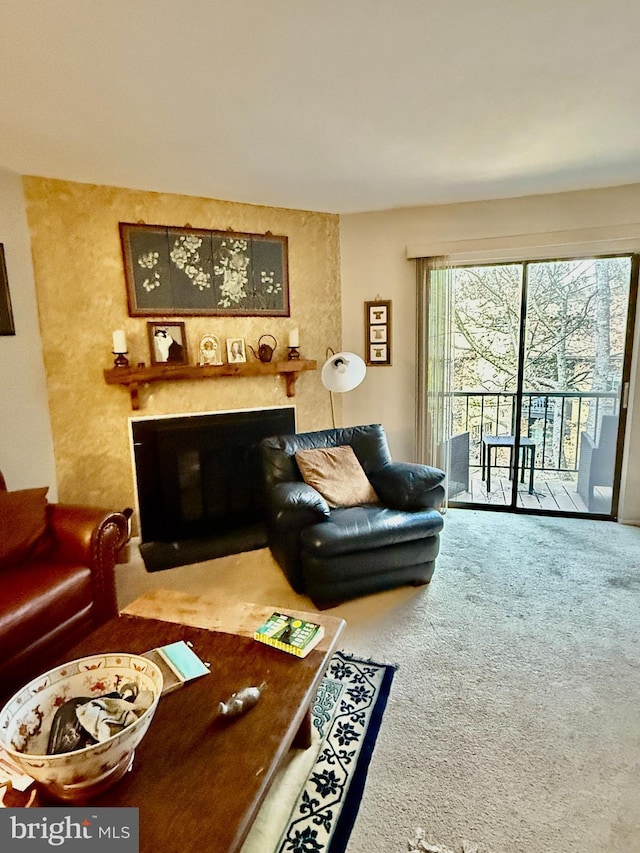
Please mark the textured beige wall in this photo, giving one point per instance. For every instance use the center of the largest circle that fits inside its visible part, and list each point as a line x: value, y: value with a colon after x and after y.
x: 26, y: 449
x: 82, y: 298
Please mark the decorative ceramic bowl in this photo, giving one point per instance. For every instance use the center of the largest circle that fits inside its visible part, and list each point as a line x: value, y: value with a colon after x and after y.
x: 26, y: 720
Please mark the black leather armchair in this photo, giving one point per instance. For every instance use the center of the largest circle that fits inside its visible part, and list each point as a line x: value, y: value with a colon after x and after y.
x: 334, y: 554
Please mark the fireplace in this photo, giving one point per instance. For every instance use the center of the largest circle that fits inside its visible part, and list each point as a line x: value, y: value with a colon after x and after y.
x: 198, y: 476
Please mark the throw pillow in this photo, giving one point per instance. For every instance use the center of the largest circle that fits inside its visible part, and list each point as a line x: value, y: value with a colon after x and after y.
x: 337, y: 474
x: 23, y: 525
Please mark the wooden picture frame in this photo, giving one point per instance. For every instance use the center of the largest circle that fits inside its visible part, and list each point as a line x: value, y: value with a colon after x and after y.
x: 173, y: 271
x: 377, y: 330
x: 236, y: 351
x: 167, y: 343
x: 7, y: 326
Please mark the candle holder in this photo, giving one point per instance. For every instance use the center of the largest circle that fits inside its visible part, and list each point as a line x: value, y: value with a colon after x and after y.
x: 121, y: 360
x: 294, y: 353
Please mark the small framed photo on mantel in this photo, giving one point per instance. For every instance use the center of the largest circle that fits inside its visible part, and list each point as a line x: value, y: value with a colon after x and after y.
x: 377, y: 330
x: 236, y: 351
x: 167, y: 343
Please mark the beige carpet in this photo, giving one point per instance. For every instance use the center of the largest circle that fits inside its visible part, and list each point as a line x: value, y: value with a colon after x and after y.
x: 419, y: 844
x: 513, y: 721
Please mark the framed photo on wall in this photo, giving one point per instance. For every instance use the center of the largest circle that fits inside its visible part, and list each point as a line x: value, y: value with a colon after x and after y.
x: 377, y: 330
x: 167, y: 343
x: 7, y: 326
x: 172, y: 271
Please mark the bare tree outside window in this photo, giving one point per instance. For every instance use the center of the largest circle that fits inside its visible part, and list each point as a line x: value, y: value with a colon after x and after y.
x: 574, y: 316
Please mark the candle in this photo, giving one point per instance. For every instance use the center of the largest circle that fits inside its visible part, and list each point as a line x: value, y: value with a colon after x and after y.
x: 294, y: 338
x: 119, y: 341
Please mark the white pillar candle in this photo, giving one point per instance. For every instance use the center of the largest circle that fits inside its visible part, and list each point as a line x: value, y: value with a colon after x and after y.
x: 294, y: 338
x: 119, y: 341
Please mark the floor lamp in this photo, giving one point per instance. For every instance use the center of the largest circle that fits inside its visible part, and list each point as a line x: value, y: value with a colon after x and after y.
x: 342, y: 371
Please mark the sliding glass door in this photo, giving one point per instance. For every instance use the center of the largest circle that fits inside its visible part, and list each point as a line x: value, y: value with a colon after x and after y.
x: 541, y: 354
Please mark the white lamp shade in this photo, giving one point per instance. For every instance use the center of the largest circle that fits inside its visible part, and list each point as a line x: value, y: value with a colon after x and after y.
x: 344, y: 371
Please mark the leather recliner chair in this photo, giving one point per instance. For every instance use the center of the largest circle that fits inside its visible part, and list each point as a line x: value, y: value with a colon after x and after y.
x: 335, y: 554
x: 59, y: 587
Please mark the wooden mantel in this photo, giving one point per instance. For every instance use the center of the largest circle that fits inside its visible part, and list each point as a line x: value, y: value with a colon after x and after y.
x: 133, y: 377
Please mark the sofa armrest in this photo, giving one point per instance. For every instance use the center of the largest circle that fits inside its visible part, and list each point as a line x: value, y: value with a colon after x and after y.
x: 409, y: 485
x: 296, y: 504
x: 90, y: 537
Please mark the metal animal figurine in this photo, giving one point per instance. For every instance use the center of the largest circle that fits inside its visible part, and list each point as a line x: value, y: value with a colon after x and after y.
x: 240, y: 702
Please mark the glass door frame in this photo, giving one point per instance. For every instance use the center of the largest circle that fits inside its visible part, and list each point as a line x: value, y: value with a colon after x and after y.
x: 516, y: 465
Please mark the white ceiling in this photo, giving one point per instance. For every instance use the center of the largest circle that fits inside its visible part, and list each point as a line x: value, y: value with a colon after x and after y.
x: 330, y: 105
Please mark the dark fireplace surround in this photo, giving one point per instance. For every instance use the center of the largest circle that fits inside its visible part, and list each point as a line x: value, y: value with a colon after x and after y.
x: 199, y: 477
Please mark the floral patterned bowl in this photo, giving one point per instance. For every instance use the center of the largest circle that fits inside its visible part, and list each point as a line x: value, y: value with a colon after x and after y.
x: 26, y: 720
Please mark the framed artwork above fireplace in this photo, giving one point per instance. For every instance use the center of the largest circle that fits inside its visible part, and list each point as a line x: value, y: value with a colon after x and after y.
x: 173, y: 271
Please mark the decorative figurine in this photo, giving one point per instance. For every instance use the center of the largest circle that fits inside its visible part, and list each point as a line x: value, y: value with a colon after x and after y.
x: 240, y: 702
x: 210, y: 352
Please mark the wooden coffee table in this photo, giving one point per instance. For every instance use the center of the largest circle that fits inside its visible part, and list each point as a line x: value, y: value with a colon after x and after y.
x: 199, y: 779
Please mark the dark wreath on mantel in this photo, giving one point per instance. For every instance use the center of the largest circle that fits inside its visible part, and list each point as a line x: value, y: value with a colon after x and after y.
x: 173, y: 271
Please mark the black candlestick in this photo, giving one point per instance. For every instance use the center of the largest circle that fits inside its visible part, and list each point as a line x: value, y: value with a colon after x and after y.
x: 294, y: 352
x: 121, y: 360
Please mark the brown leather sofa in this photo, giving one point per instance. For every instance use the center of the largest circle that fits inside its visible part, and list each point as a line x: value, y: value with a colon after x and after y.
x: 57, y: 584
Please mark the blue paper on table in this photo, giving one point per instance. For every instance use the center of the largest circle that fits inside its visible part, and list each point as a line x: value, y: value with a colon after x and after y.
x: 183, y: 660
x: 178, y: 664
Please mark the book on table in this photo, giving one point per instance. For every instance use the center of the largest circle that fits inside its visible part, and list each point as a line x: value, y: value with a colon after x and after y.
x: 290, y: 634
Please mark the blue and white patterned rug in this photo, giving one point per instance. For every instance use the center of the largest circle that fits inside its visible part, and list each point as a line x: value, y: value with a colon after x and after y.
x: 347, y: 715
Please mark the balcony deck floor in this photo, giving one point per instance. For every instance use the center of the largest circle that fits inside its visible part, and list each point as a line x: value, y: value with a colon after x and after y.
x: 550, y: 493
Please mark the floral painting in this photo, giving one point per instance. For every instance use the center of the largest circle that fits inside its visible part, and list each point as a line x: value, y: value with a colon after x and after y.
x: 188, y: 271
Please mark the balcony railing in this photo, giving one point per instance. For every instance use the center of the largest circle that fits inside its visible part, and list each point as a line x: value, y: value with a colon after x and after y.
x: 554, y: 420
